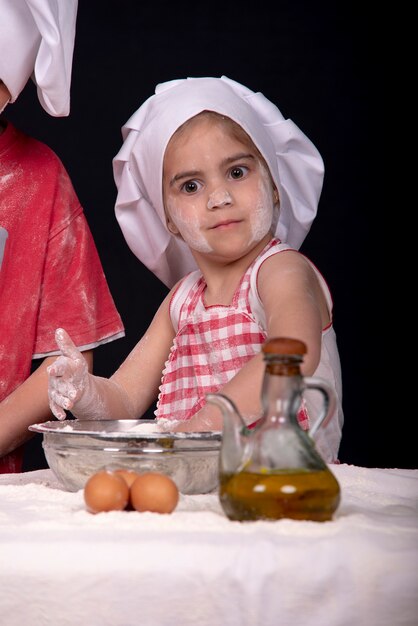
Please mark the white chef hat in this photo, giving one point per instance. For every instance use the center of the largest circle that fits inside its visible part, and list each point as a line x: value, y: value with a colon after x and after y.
x: 295, y: 165
x: 37, y: 40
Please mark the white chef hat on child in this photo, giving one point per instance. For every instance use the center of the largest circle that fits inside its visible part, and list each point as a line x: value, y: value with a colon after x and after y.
x: 295, y: 165
x: 37, y: 40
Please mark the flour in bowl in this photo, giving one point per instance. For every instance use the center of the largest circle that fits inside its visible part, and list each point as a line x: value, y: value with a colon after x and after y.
x: 160, y: 426
x: 145, y: 428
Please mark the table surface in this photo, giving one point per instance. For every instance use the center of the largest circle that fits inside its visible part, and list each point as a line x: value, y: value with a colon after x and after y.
x: 61, y: 565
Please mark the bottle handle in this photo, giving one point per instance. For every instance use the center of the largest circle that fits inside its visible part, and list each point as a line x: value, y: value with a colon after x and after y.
x: 329, y: 404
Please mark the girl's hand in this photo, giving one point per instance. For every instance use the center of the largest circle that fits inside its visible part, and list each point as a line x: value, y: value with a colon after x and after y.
x: 67, y: 376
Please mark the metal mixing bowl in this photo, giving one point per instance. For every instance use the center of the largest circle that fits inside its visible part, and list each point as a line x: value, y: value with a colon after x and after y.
x: 76, y: 449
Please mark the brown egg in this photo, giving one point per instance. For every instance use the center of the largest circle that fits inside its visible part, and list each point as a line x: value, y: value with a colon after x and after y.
x: 154, y: 492
x: 128, y: 476
x: 106, y: 491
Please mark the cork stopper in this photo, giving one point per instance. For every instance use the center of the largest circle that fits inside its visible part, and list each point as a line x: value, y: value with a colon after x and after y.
x: 284, y: 345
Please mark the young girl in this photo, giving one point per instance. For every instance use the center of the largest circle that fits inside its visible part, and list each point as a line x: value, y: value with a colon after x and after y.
x: 211, y: 176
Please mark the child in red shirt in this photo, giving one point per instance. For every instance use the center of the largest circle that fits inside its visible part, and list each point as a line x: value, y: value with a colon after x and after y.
x: 50, y: 271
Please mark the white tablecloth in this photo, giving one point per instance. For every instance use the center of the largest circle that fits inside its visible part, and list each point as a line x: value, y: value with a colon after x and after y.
x: 60, y: 565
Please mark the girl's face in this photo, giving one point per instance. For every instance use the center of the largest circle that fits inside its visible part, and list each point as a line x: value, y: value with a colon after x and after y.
x: 218, y: 194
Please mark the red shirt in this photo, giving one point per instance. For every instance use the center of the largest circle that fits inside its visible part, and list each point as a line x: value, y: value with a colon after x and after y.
x: 50, y: 272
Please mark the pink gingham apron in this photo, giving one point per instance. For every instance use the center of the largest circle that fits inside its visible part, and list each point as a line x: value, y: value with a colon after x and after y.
x: 211, y: 345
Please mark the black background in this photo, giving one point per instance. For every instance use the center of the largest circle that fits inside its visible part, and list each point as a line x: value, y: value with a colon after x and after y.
x: 313, y: 60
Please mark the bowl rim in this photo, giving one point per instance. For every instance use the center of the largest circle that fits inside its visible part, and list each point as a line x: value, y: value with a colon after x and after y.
x: 112, y: 429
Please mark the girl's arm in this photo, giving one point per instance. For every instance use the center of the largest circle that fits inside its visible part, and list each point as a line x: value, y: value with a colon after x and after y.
x: 128, y: 392
x: 294, y: 303
x: 295, y: 306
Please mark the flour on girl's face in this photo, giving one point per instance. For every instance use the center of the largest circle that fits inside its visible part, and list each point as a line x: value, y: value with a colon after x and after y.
x: 220, y: 197
x: 189, y: 227
x: 261, y: 218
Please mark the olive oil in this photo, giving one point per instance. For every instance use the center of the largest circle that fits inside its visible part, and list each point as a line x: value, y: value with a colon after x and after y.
x: 296, y: 494
x: 273, y: 471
